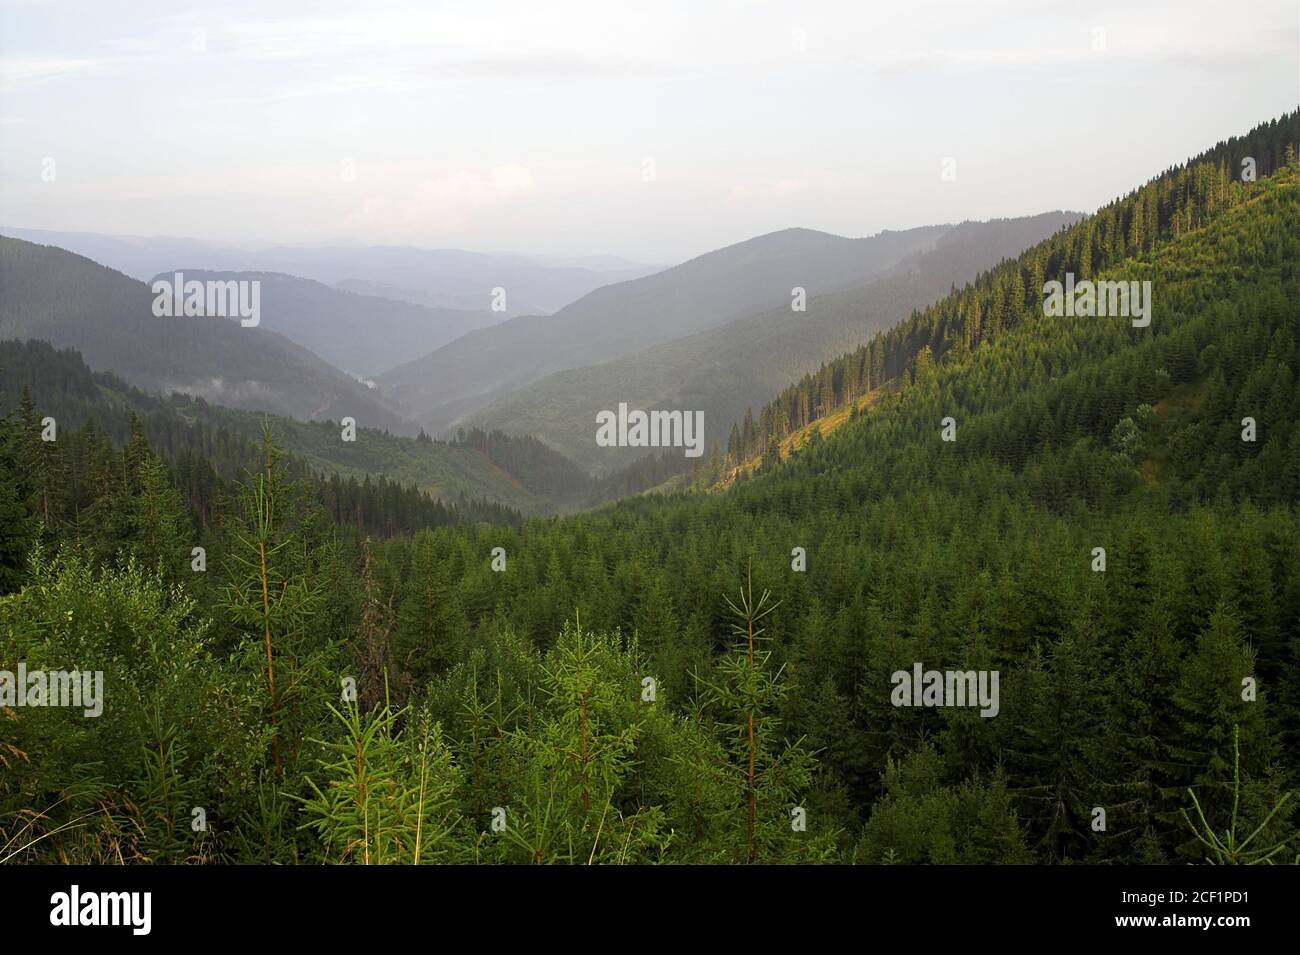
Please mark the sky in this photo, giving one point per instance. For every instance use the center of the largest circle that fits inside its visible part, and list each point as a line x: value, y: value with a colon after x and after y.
x: 654, y: 131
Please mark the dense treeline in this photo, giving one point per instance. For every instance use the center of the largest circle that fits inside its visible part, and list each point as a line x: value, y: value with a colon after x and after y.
x: 643, y: 474
x: 1173, y: 203
x: 538, y: 467
x: 195, y: 437
x: 1106, y: 532
x: 748, y: 359
x: 95, y: 412
x: 66, y: 299
x: 181, y: 427
x: 545, y: 471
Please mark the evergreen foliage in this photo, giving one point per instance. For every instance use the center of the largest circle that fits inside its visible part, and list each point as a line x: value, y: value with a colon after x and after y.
x: 602, y: 699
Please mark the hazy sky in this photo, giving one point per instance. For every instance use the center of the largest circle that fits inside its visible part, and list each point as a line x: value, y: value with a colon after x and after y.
x: 529, y: 126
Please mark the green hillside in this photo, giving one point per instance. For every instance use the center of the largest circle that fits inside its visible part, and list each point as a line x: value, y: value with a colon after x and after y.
x: 728, y: 370
x: 694, y: 677
x: 1170, y: 205
x: 518, y: 473
x: 360, y: 334
x: 439, y: 389
x: 72, y: 302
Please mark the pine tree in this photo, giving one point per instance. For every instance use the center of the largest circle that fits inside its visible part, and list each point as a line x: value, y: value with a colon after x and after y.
x: 767, y: 773
x: 17, y: 529
x: 1231, y: 846
x: 271, y: 595
x: 577, y: 763
x: 379, y: 676
x: 388, y: 796
x: 159, y: 519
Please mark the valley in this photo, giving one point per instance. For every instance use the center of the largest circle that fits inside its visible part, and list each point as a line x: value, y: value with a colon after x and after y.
x: 960, y: 544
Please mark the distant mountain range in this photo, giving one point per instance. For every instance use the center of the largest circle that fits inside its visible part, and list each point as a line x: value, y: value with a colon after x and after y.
x: 715, y: 334
x: 447, y: 278
x: 55, y: 296
x: 624, y: 317
x: 727, y: 369
x: 360, y: 334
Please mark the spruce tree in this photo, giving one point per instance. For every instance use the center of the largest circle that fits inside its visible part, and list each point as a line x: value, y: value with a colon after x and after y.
x: 766, y: 774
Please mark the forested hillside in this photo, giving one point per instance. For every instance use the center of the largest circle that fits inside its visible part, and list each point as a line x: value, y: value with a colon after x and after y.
x: 619, y: 319
x: 502, y: 474
x: 71, y: 302
x: 361, y: 334
x: 1106, y: 515
x: 436, y: 278
x: 97, y: 422
x: 1170, y: 205
x: 725, y: 371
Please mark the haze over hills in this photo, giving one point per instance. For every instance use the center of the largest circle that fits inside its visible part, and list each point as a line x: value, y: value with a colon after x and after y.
x: 417, y: 296
x: 453, y: 278
x: 472, y: 473
x: 690, y: 519
x: 141, y: 257
x: 949, y: 491
x: 450, y: 278
x: 360, y: 334
x: 311, y: 334
x: 62, y: 298
x: 619, y: 319
x: 725, y: 370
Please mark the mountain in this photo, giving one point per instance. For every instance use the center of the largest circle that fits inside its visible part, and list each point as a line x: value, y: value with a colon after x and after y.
x: 1018, y: 573
x: 141, y: 256
x: 361, y: 334
x: 517, y: 473
x: 228, y: 376
x: 1100, y: 535
x: 1180, y: 201
x: 622, y: 318
x: 453, y: 278
x: 726, y: 370
x: 72, y: 302
x: 449, y: 278
x: 417, y: 296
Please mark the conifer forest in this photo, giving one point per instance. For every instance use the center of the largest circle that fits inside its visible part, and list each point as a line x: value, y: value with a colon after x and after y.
x: 979, y: 545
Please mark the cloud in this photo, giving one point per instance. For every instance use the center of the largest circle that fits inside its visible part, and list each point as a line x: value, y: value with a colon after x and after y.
x: 18, y: 72
x: 440, y: 203
x: 377, y: 82
x: 425, y: 76
x: 788, y: 187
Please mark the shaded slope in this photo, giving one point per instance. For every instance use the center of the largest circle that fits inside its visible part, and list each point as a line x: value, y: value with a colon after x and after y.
x: 616, y: 320
x: 70, y: 301
x: 726, y: 370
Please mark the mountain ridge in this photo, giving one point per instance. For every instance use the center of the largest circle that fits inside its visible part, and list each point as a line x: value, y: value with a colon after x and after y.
x: 70, y: 301
x: 363, y: 335
x: 729, y: 368
x: 442, y: 387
